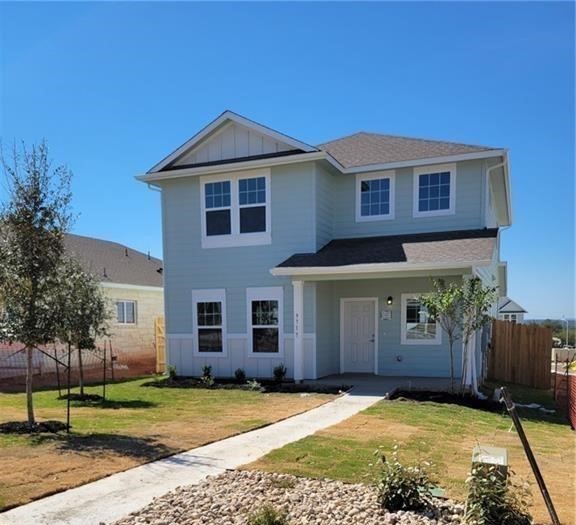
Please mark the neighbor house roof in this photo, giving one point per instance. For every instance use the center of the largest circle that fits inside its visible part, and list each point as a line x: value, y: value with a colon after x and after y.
x: 465, y: 246
x: 508, y: 306
x: 112, y: 262
x: 363, y: 149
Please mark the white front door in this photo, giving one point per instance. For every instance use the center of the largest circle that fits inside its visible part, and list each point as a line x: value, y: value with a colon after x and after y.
x: 358, y: 335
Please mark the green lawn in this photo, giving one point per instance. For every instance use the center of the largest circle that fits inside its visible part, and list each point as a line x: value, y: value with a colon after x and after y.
x: 443, y: 434
x: 137, y: 424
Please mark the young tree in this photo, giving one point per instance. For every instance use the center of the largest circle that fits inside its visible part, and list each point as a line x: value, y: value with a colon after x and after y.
x: 84, y: 311
x: 32, y: 225
x: 477, y: 300
x: 444, y: 306
x: 460, y: 308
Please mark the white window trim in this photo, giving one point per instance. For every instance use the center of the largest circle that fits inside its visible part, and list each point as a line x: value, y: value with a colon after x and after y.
x: 266, y: 293
x: 235, y: 238
x: 119, y: 323
x: 209, y: 296
x: 419, y: 342
x: 416, y: 187
x: 360, y: 177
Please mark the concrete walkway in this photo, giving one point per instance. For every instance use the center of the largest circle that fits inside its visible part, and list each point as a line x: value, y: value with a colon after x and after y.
x: 112, y: 498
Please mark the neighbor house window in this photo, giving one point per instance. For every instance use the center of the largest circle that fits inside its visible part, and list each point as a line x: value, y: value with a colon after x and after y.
x: 126, y: 312
x: 417, y: 327
x: 375, y: 196
x: 434, y: 190
x: 265, y: 319
x: 236, y: 209
x: 209, y: 325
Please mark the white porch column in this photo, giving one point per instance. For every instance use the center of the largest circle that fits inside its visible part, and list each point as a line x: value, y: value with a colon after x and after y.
x: 298, y: 287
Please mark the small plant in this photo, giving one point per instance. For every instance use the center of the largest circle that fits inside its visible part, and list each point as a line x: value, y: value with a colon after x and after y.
x: 254, y: 385
x: 495, y: 500
x: 171, y: 372
x: 283, y: 483
x: 268, y: 515
x: 207, y: 377
x: 280, y: 372
x: 401, y: 487
x: 240, y: 375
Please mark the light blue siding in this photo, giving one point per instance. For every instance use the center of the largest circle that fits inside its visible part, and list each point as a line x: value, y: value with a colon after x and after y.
x: 394, y: 358
x: 327, y: 353
x: 324, y: 206
x: 190, y: 267
x: 468, y: 213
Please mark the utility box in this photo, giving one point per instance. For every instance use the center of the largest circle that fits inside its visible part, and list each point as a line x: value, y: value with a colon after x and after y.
x: 486, y: 457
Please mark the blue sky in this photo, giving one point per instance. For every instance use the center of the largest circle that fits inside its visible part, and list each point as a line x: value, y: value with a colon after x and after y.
x: 114, y: 87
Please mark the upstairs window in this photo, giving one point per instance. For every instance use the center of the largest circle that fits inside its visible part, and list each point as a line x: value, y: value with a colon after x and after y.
x: 252, y: 202
x: 434, y: 190
x: 126, y: 312
x: 375, y: 197
x: 236, y: 209
x: 218, y: 212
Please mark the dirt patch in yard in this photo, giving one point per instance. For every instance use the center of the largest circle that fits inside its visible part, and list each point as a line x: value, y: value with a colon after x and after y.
x: 366, y: 428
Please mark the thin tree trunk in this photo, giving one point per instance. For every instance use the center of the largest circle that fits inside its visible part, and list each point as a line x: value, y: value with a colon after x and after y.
x: 29, y: 373
x: 451, y: 366
x: 80, y: 372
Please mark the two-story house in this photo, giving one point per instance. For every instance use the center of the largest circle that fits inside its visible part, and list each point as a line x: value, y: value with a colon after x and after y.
x: 276, y: 251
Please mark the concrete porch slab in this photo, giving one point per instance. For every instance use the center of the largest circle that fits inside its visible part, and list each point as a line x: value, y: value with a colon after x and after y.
x: 370, y: 384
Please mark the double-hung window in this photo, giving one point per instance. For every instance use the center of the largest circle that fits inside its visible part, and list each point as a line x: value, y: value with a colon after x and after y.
x: 375, y: 196
x: 417, y: 326
x: 126, y: 312
x: 264, y: 308
x: 236, y: 209
x: 209, y: 321
x: 434, y: 190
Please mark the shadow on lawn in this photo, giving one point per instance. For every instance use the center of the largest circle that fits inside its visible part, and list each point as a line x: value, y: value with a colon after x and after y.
x: 94, y: 444
x: 95, y: 401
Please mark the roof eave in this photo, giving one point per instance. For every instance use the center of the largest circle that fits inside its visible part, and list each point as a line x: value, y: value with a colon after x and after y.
x: 427, y: 161
x: 373, y: 268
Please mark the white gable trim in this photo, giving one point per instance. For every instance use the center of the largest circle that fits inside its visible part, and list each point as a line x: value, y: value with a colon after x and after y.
x: 224, y: 117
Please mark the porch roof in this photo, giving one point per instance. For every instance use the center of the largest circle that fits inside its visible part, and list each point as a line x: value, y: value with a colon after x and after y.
x: 436, y: 250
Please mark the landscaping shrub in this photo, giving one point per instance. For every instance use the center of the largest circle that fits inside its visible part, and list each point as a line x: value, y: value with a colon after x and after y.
x: 207, y: 377
x: 493, y: 500
x: 171, y: 371
x: 254, y: 385
x: 268, y: 515
x: 240, y: 375
x: 401, y: 487
x: 280, y: 372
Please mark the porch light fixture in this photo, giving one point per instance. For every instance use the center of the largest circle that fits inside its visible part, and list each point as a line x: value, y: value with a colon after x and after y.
x: 390, y: 300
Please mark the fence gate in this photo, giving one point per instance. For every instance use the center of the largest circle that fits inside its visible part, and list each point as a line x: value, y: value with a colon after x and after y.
x: 521, y: 354
x: 160, y: 343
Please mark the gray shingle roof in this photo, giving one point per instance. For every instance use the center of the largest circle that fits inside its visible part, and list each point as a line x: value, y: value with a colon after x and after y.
x: 363, y: 149
x: 464, y: 246
x: 507, y: 305
x: 114, y: 263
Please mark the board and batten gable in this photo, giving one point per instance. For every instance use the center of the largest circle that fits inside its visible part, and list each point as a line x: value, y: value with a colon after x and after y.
x: 469, y: 210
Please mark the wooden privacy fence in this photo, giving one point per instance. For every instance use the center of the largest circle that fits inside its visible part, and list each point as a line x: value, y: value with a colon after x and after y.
x: 521, y: 354
x: 160, y: 344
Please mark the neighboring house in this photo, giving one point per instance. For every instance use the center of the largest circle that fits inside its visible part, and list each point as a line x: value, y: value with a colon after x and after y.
x: 133, y: 282
x: 277, y: 251
x: 508, y: 310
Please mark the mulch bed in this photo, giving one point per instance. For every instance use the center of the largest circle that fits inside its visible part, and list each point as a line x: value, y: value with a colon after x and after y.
x: 266, y: 386
x: 94, y: 398
x: 22, y: 427
x: 447, y: 398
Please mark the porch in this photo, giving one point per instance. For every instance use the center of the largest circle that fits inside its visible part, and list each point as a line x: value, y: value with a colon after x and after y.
x: 370, y: 384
